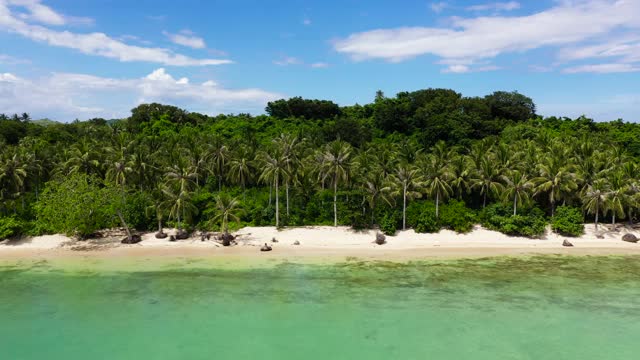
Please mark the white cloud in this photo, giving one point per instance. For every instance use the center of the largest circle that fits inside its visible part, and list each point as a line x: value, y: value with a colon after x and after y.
x: 186, y: 38
x: 480, y: 38
x: 319, y: 65
x: 67, y: 96
x: 495, y: 6
x: 98, y: 44
x: 287, y: 60
x: 43, y: 14
x: 437, y: 7
x: 306, y: 22
x: 10, y: 60
x: 603, y: 68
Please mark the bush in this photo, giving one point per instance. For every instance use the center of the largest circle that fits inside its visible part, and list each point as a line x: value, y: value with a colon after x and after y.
x: 457, y: 216
x: 136, y: 212
x: 10, y: 227
x: 77, y: 205
x: 568, y: 221
x: 389, y: 224
x: 499, y: 217
x: 427, y: 223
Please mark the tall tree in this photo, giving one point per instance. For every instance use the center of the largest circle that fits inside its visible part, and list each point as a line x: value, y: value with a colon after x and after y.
x: 336, y: 166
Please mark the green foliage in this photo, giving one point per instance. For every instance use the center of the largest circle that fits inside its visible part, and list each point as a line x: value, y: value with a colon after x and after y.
x: 427, y: 223
x: 389, y: 223
x: 499, y: 217
x: 457, y: 216
x: 136, y: 212
x: 77, y: 205
x: 568, y: 221
x: 10, y: 227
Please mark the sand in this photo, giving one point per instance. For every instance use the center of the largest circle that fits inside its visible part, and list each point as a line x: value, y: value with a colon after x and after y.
x: 326, y: 242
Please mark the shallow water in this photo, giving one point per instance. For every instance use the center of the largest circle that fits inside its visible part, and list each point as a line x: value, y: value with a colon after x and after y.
x: 507, y: 308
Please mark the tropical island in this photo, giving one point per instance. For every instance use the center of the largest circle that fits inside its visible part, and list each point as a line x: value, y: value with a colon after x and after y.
x: 430, y: 167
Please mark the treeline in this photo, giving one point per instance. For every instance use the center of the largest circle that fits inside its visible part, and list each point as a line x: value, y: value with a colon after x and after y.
x: 426, y: 159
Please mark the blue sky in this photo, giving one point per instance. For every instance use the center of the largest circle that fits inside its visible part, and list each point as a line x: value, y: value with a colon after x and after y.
x: 67, y: 59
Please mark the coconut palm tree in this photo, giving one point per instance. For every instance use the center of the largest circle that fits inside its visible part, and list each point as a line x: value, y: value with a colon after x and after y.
x: 517, y: 187
x: 335, y: 167
x: 180, y: 179
x: 435, y: 170
x: 555, y: 179
x: 13, y: 172
x: 594, y: 197
x: 241, y: 167
x: 289, y: 147
x: 405, y: 182
x: 227, y: 209
x: 488, y: 178
x: 616, y: 199
x: 274, y: 169
x: 461, y: 175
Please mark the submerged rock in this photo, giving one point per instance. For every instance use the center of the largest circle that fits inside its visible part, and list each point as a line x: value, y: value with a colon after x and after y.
x: 567, y: 243
x: 630, y: 238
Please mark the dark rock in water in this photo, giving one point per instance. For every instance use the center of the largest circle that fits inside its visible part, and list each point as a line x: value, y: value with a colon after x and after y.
x: 182, y: 235
x: 296, y: 242
x: 227, y: 239
x: 265, y: 247
x: 161, y: 235
x: 567, y: 243
x: 274, y: 240
x: 134, y: 239
x: 381, y: 239
x: 172, y: 238
x: 630, y: 238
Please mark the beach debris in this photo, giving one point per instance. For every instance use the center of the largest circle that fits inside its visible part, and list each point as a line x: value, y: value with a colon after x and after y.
x: 135, y: 238
x: 172, y: 238
x: 381, y: 239
x: 182, y: 235
x: 630, y: 238
x: 227, y: 239
x: 274, y: 240
x: 161, y: 235
x: 296, y: 242
x: 567, y: 243
x: 599, y: 236
x: 265, y: 247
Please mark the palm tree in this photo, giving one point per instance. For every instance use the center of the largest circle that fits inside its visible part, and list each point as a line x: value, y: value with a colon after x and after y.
x: 436, y: 172
x: 336, y: 166
x: 405, y: 182
x: 518, y: 187
x: 616, y: 198
x: 594, y: 196
x: 461, y: 175
x: 218, y: 157
x: 555, y: 180
x: 288, y: 146
x: 274, y: 168
x: 180, y: 178
x: 487, y: 179
x: 241, y: 167
x: 13, y: 172
x: 227, y: 209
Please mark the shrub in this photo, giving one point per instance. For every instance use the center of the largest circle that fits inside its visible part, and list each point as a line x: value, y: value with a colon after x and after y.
x: 77, y: 205
x: 389, y: 224
x: 568, y: 221
x: 499, y: 217
x: 457, y: 216
x: 136, y: 212
x: 427, y: 223
x: 10, y: 227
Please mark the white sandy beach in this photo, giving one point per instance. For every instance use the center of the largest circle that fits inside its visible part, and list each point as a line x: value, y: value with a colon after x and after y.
x: 327, y: 241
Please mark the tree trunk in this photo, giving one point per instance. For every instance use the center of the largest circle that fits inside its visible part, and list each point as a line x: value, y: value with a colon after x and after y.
x: 270, y: 193
x: 335, y: 202
x: 159, y: 225
x: 613, y: 221
x: 553, y: 209
x: 597, y: 211
x: 287, y: 191
x: 179, y: 224
x: 484, y: 200
x: 124, y: 224
x: 437, y: 203
x: 277, y: 205
x: 515, y: 204
x: 404, y: 206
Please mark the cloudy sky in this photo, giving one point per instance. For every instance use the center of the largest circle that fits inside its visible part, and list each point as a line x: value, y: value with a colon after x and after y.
x: 68, y: 59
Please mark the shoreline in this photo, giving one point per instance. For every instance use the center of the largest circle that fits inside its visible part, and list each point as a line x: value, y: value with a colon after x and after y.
x: 323, y: 244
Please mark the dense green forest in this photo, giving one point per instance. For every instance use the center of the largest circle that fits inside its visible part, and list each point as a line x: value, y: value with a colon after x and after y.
x: 427, y: 160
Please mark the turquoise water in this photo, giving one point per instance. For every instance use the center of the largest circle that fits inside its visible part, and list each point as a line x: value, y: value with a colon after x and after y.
x: 536, y: 308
